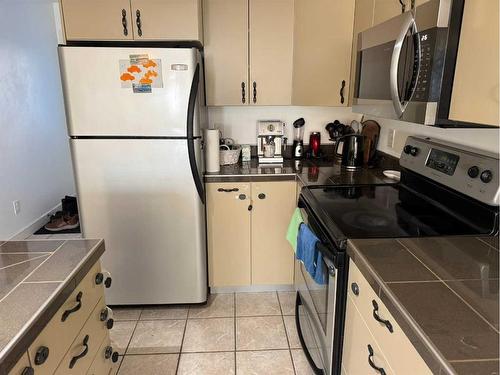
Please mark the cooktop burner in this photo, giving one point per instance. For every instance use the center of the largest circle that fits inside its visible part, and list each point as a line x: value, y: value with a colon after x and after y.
x: 387, y: 211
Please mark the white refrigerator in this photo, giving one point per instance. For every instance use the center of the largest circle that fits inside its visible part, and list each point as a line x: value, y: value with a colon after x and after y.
x: 135, y: 118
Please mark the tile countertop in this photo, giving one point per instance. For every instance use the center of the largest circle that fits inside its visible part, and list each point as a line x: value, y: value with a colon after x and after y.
x: 443, y: 292
x: 36, y: 277
x: 325, y: 171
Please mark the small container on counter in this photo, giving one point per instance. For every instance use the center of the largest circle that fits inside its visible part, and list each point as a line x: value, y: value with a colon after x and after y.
x: 246, y: 154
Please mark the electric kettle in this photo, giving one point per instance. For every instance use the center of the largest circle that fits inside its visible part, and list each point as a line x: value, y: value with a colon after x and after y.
x: 352, y: 151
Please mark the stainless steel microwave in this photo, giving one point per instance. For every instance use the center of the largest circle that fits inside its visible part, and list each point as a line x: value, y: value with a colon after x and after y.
x: 405, y: 66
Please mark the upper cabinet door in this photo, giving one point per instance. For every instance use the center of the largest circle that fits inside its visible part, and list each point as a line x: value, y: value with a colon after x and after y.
x: 475, y: 87
x: 167, y: 19
x: 271, y: 52
x: 226, y: 51
x: 386, y: 9
x: 322, y: 52
x: 97, y: 19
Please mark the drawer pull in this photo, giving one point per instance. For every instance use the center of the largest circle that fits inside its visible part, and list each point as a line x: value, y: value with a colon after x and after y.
x: 100, y: 278
x: 28, y: 371
x: 41, y: 355
x: 124, y: 22
x: 109, y: 353
x: 262, y: 196
x: 379, y: 319
x: 222, y: 190
x: 75, y: 359
x: 106, y: 316
x: 355, y: 289
x: 370, y: 361
x: 74, y: 309
x: 138, y: 22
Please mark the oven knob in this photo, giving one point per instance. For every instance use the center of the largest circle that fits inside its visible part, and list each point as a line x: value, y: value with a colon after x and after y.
x: 486, y: 176
x: 473, y: 172
x: 407, y: 149
x: 414, y: 151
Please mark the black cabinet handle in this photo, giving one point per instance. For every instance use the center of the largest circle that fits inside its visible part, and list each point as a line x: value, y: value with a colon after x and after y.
x: 250, y: 207
x: 370, y: 361
x: 99, y: 278
x: 243, y: 98
x: 262, y: 196
x: 138, y: 22
x: 41, y: 355
x: 104, y: 317
x: 355, y: 289
x: 254, y: 92
x: 73, y: 309
x: 221, y: 190
x: 28, y: 371
x: 242, y: 197
x: 342, y: 87
x: 107, y: 282
x: 379, y: 319
x: 109, y: 353
x: 124, y: 22
x: 75, y: 359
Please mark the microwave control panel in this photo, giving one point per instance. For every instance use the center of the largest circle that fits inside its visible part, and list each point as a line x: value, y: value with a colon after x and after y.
x: 424, y: 54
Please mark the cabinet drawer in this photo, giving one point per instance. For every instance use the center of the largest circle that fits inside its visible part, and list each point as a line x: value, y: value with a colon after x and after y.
x: 399, y: 351
x: 21, y: 365
x: 103, y: 362
x: 84, y: 348
x: 58, y: 335
x: 357, y: 340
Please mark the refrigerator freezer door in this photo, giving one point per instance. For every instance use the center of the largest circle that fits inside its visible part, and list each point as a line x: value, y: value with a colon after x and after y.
x: 140, y: 196
x: 98, y: 104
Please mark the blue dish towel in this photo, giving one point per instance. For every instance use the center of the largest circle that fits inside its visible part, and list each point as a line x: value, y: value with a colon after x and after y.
x: 309, y: 255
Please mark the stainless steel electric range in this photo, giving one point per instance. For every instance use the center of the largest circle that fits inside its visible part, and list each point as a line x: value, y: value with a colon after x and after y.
x: 445, y: 190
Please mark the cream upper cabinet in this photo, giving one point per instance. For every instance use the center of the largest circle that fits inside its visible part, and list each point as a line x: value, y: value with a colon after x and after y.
x: 228, y: 224
x: 271, y: 51
x: 386, y: 9
x: 97, y: 19
x: 272, y: 257
x: 225, y: 25
x: 167, y: 19
x: 323, y: 34
x: 476, y: 83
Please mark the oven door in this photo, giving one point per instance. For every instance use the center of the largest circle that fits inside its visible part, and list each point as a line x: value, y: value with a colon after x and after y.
x: 316, y: 307
x: 387, y: 69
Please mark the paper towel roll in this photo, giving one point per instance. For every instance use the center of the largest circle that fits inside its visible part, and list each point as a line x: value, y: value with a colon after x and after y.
x: 212, y: 150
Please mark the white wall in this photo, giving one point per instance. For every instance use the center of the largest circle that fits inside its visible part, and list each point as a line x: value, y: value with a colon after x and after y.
x: 35, y: 164
x: 240, y: 122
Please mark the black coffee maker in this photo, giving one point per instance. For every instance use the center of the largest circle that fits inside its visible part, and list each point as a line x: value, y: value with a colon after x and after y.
x: 298, y: 138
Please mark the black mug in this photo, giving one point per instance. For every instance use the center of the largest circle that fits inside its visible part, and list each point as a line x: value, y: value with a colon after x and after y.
x: 352, y: 151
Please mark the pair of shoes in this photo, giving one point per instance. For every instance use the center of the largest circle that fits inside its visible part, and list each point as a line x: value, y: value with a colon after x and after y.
x: 62, y: 222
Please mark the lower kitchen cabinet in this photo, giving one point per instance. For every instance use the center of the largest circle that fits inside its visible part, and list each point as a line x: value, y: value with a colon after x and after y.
x: 392, y: 350
x: 272, y: 258
x: 228, y: 224
x: 247, y: 224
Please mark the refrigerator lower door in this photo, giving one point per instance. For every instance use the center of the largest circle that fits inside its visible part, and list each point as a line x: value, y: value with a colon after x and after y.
x: 140, y: 196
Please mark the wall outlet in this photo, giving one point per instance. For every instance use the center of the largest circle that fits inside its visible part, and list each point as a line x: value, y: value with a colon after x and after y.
x: 390, y: 138
x: 17, y: 207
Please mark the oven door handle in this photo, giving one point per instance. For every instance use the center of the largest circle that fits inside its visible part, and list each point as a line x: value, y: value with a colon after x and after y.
x: 408, y: 22
x: 316, y: 370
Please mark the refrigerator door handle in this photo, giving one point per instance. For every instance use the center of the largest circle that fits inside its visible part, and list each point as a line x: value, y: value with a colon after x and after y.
x: 190, y: 134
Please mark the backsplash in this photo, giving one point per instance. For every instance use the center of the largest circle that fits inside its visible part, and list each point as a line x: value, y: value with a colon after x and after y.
x: 240, y: 122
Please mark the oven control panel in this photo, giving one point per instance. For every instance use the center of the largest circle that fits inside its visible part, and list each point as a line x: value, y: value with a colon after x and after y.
x: 466, y: 170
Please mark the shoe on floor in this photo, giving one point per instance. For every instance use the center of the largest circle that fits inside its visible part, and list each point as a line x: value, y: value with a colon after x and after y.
x: 62, y: 223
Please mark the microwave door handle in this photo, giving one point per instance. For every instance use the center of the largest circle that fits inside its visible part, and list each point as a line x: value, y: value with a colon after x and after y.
x: 409, y: 22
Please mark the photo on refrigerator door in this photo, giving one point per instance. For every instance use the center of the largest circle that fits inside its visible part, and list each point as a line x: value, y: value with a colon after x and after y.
x: 141, y: 73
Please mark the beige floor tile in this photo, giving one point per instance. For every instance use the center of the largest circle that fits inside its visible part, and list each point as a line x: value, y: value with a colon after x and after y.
x: 164, y: 312
x: 208, y: 335
x: 126, y: 313
x: 218, y: 306
x: 287, y: 302
x: 276, y: 362
x: 206, y: 364
x: 256, y: 333
x: 157, y: 336
x: 155, y: 364
x: 257, y: 304
x: 302, y: 367
x: 120, y: 335
x: 291, y: 332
